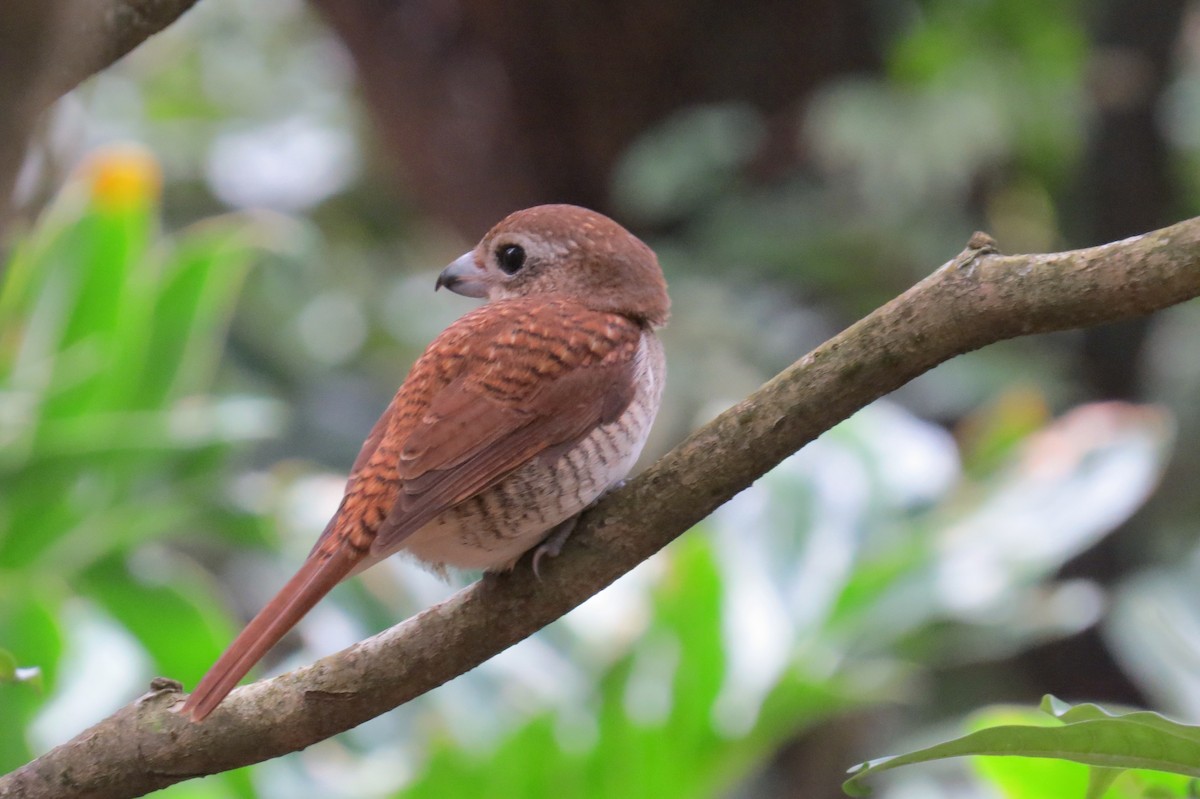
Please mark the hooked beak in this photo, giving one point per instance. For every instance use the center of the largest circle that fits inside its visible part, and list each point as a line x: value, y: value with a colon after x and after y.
x: 463, y: 277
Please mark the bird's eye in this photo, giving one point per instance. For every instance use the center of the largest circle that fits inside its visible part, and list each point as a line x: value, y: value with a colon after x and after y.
x: 511, y: 258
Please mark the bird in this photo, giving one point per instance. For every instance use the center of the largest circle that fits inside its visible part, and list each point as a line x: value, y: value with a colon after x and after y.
x: 516, y: 418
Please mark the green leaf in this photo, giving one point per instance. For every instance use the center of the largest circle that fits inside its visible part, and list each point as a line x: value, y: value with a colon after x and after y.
x: 1089, y: 712
x: 8, y: 666
x: 107, y: 278
x: 991, y: 435
x: 1100, y: 780
x: 200, y: 287
x: 1026, y: 777
x: 1088, y: 735
x: 11, y: 672
x: 28, y: 625
x: 182, y: 631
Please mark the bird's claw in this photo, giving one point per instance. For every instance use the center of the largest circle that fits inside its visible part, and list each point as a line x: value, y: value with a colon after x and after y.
x: 552, y: 544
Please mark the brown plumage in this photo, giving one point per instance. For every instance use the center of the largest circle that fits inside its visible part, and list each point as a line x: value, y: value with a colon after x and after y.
x: 516, y: 418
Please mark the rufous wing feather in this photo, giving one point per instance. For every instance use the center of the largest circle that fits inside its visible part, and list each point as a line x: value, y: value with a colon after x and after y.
x: 496, y: 435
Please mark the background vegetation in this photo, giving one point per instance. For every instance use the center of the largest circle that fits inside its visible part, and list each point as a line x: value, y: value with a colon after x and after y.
x: 180, y: 399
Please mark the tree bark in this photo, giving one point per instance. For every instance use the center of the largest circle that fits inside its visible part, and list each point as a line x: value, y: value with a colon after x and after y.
x: 484, y: 107
x: 978, y: 298
x: 47, y: 48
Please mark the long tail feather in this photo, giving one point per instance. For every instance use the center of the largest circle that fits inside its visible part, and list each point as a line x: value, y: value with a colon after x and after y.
x: 319, y: 574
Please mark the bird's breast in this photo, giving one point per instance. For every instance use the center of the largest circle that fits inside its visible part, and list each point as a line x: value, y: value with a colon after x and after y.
x: 491, y: 530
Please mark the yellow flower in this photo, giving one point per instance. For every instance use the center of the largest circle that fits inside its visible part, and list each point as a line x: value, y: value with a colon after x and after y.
x: 123, y: 177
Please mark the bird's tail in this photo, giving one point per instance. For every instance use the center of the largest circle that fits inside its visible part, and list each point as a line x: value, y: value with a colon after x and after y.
x: 320, y: 573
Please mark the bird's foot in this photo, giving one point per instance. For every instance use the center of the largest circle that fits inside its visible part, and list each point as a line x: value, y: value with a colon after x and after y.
x: 552, y: 544
x: 617, y: 486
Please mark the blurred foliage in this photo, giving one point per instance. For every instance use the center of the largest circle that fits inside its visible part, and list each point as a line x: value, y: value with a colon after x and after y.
x: 109, y: 338
x: 1091, y: 753
x: 175, y: 427
x: 871, y: 550
x: 832, y: 604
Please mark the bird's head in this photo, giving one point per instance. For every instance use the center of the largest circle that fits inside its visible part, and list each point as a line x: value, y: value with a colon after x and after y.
x: 564, y: 250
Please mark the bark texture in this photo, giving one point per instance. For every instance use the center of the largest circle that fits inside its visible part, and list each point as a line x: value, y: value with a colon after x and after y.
x: 483, y: 107
x: 47, y: 48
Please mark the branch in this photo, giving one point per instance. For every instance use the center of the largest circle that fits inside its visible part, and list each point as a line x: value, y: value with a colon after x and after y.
x: 94, y: 34
x: 978, y: 298
x: 48, y: 48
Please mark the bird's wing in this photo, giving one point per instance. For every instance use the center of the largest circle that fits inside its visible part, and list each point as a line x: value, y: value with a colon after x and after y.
x: 527, y: 385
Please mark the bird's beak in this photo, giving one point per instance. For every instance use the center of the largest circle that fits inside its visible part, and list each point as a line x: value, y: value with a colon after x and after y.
x: 463, y: 277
